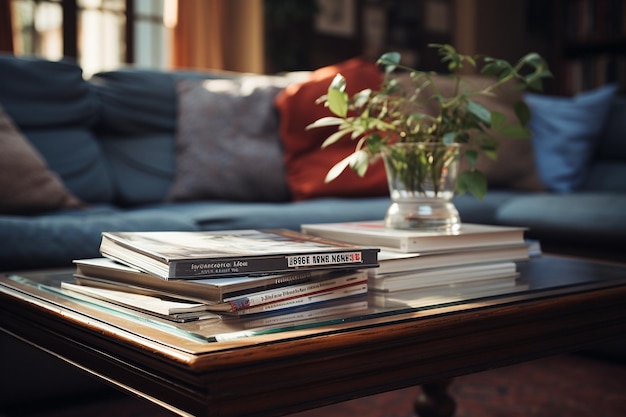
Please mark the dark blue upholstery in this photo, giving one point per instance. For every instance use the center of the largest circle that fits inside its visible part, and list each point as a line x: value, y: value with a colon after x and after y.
x: 112, y: 140
x: 55, y: 108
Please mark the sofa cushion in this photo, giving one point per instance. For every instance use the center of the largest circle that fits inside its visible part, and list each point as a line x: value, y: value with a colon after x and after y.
x: 134, y: 101
x: 56, y: 239
x: 219, y: 215
x: 55, y: 109
x: 141, y: 167
x: 45, y: 93
x: 27, y: 186
x: 227, y: 143
x: 136, y: 130
x: 581, y: 218
x: 565, y: 134
x: 483, y: 211
x: 306, y: 163
x: 606, y: 175
x: 77, y: 157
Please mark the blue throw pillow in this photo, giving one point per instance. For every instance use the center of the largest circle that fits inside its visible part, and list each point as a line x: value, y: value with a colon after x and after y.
x: 565, y: 132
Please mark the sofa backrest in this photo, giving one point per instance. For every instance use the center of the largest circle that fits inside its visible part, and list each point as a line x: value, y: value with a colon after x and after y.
x: 612, y: 144
x: 608, y: 167
x: 136, y: 128
x: 56, y: 109
x: 110, y: 138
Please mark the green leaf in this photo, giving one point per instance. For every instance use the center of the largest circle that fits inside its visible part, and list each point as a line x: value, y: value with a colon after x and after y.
x: 491, y: 154
x: 338, y: 102
x: 335, y: 137
x: 534, y: 81
x: 496, y: 67
x: 497, y: 119
x: 374, y: 143
x: 533, y: 59
x: 390, y: 61
x: 522, y: 112
x: 472, y: 157
x: 449, y: 138
x: 325, y: 122
x: 338, y: 83
x: 359, y: 162
x: 472, y: 181
x: 480, y: 111
x: 337, y: 169
x: 362, y: 97
x: 515, y: 131
x: 487, y: 143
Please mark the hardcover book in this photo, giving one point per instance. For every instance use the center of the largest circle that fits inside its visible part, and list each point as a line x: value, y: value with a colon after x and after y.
x: 187, y: 255
x: 375, y: 233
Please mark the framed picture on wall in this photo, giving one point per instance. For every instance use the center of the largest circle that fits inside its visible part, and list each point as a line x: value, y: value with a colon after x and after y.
x: 336, y: 17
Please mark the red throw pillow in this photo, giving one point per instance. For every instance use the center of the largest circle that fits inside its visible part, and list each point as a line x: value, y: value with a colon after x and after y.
x: 306, y: 163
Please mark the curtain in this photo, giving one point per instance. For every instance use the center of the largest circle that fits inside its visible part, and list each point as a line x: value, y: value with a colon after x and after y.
x: 6, y: 28
x: 219, y: 34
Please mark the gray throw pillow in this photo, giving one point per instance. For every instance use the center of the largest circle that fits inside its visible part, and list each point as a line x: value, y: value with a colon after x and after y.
x: 227, y: 141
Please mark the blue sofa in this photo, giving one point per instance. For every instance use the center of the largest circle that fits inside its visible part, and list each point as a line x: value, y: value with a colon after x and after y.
x: 112, y: 141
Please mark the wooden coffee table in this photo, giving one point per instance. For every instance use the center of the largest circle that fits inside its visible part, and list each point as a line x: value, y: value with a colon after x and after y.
x: 561, y: 305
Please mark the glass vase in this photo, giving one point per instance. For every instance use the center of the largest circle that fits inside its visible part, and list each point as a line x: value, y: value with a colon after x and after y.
x: 422, y: 179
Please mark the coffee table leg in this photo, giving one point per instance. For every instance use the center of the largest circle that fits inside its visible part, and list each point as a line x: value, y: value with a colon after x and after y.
x: 435, y: 400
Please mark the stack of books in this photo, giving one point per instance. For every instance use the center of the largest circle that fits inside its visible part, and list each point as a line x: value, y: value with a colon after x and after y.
x: 184, y: 276
x: 419, y: 268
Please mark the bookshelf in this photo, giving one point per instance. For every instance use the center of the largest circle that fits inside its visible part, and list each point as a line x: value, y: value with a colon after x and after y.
x: 590, y: 44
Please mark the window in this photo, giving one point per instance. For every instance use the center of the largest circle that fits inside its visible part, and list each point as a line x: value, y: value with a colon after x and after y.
x: 38, y: 28
x: 100, y: 34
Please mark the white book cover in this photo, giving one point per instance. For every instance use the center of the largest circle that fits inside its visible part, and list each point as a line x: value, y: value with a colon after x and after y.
x: 159, y: 305
x: 442, y: 276
x: 451, y: 293
x: 391, y: 262
x: 375, y: 233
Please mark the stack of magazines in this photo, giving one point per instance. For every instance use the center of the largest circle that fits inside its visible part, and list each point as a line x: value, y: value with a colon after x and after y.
x: 184, y: 276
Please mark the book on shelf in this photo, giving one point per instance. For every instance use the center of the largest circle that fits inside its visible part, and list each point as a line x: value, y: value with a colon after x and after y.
x: 108, y: 273
x: 321, y: 281
x: 437, y: 277
x: 391, y: 262
x: 449, y: 293
x: 189, y: 255
x: 375, y: 233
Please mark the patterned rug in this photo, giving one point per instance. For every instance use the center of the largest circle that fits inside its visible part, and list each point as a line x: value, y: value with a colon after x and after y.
x: 560, y: 386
